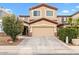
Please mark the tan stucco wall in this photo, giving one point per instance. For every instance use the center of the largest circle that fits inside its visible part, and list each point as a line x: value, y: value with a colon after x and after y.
x: 25, y: 24
x: 75, y: 16
x: 59, y: 19
x: 43, y: 23
x: 24, y: 18
x: 43, y: 13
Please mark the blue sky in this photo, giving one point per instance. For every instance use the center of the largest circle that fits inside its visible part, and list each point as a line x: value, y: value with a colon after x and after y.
x: 23, y: 8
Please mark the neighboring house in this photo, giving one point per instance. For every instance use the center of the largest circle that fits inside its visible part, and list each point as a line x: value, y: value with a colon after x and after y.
x: 64, y: 19
x: 43, y: 20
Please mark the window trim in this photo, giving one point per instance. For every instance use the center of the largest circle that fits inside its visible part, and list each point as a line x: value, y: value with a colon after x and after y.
x: 36, y: 11
x: 49, y: 11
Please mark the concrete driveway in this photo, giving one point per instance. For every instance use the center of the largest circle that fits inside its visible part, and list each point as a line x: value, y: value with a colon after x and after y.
x: 43, y: 42
x: 44, y: 45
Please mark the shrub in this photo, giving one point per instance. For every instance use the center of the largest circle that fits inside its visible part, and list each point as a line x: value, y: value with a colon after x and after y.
x: 70, y: 32
x: 12, y: 26
x: 62, y: 34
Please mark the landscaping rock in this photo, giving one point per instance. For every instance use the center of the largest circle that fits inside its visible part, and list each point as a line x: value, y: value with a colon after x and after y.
x: 75, y: 42
x: 10, y: 42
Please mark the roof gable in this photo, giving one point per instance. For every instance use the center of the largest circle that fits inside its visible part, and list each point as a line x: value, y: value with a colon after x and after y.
x: 46, y: 5
x: 43, y: 19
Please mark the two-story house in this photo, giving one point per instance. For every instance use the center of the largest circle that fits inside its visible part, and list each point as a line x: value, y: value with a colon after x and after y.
x: 43, y: 20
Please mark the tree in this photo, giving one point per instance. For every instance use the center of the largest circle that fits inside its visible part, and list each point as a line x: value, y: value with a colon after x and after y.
x: 70, y: 21
x: 77, y: 21
x: 77, y: 25
x: 12, y: 26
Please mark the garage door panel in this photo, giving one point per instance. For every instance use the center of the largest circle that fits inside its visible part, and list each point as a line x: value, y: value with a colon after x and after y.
x: 42, y: 31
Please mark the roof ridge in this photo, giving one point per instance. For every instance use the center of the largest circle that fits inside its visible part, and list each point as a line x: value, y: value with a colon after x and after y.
x: 68, y: 15
x: 43, y: 4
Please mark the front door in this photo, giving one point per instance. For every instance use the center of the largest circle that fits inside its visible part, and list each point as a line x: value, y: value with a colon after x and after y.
x: 25, y: 31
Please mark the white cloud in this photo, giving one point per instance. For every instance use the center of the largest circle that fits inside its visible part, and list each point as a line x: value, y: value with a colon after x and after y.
x: 65, y: 11
x: 8, y: 10
x: 73, y: 10
x: 77, y: 6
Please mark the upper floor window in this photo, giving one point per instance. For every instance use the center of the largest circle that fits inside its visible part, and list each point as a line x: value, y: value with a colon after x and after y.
x: 64, y: 20
x: 49, y: 13
x: 36, y: 13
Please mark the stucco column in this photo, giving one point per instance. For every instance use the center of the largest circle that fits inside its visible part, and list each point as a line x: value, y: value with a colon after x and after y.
x: 55, y: 31
x: 30, y: 31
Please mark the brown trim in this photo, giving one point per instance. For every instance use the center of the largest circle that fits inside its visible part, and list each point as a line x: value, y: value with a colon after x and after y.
x: 75, y: 13
x: 59, y: 25
x: 26, y: 22
x: 43, y: 19
x: 24, y: 16
x: 63, y: 16
x: 68, y: 15
x: 43, y: 4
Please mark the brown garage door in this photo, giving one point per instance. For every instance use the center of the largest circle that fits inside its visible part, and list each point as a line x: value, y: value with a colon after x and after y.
x: 43, y: 31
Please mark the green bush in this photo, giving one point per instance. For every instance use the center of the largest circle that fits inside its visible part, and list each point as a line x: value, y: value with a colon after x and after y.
x: 70, y: 32
x: 62, y: 34
x: 12, y: 26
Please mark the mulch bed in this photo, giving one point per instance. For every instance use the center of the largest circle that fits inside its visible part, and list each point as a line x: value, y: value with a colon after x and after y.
x: 10, y: 44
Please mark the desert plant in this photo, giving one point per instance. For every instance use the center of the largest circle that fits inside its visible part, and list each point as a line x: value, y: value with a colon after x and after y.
x: 12, y: 26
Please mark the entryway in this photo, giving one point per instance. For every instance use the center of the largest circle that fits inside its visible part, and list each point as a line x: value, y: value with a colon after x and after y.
x: 25, y: 31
